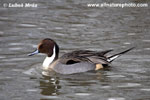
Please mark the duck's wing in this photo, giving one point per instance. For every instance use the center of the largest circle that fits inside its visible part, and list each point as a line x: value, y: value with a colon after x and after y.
x: 85, y: 56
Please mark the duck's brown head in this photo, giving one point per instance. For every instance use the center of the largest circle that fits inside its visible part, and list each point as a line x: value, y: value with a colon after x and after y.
x: 48, y: 47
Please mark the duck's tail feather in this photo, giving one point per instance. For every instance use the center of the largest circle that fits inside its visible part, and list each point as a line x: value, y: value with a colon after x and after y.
x: 113, y: 57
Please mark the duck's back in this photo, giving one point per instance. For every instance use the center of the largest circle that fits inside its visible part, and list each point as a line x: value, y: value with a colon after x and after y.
x: 85, y: 56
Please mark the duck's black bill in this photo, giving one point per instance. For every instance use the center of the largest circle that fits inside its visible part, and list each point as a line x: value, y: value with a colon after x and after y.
x: 33, y: 53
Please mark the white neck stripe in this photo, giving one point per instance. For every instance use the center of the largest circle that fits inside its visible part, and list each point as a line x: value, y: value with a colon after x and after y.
x: 49, y: 60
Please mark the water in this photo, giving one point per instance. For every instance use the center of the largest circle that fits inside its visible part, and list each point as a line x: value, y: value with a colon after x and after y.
x: 74, y: 26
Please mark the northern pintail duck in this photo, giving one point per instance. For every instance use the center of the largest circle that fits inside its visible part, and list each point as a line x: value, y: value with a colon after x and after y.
x: 73, y: 62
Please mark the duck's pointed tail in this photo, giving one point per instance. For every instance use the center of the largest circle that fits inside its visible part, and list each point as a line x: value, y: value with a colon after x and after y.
x: 113, y: 57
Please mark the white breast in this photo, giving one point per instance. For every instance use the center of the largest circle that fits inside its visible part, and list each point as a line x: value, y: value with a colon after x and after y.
x: 49, y: 60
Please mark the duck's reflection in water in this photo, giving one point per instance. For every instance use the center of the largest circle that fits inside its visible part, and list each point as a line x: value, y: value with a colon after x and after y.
x: 52, y: 83
x: 49, y: 85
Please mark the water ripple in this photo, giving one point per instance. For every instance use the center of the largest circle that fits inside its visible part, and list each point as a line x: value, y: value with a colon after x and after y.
x: 27, y: 25
x: 83, y: 94
x: 116, y: 98
x: 125, y: 85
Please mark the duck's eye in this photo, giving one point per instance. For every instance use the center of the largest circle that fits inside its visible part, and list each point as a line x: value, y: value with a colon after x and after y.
x: 41, y: 46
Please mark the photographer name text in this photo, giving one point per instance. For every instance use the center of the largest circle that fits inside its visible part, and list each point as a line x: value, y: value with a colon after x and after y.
x: 20, y: 5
